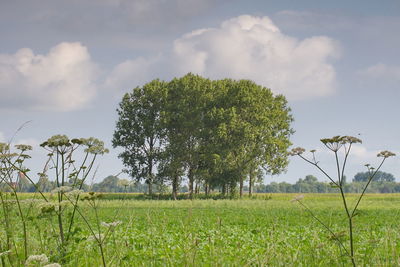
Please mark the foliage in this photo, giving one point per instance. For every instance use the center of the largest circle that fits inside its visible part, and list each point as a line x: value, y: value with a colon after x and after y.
x: 215, y: 133
x: 379, y: 177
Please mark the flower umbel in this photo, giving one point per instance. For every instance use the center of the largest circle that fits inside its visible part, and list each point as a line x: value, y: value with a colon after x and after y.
x: 297, y: 151
x: 33, y: 259
x: 386, y: 154
x: 297, y: 198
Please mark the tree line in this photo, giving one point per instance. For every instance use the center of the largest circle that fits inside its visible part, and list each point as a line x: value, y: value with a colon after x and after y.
x: 383, y: 183
x: 214, y: 134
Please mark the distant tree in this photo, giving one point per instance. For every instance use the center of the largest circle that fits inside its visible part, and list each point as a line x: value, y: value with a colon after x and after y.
x: 310, y: 179
x: 380, y: 176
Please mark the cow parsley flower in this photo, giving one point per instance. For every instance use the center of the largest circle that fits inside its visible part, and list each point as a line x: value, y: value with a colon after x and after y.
x: 34, y: 259
x: 97, y: 237
x: 111, y: 224
x: 297, y: 198
x: 61, y: 189
x: 52, y: 265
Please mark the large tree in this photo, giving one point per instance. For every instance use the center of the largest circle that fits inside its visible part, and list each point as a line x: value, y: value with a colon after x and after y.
x: 217, y: 133
x: 185, y: 107
x: 139, y: 132
x: 251, y: 129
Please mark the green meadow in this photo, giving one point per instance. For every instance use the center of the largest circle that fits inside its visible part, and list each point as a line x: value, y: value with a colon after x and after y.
x: 267, y: 230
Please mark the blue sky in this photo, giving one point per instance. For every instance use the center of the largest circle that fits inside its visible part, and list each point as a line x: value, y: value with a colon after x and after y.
x: 64, y: 66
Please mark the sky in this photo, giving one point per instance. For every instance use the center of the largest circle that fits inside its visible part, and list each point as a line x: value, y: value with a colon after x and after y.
x: 65, y: 65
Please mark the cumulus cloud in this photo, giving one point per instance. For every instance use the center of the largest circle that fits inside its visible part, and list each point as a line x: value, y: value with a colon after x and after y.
x: 62, y: 80
x: 248, y: 47
x: 131, y: 73
x: 382, y: 71
x: 244, y: 47
x: 362, y: 154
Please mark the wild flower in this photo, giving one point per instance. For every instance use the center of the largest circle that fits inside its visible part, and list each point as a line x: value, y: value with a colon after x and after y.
x: 53, y: 265
x: 56, y: 140
x: 111, y: 224
x: 386, y: 154
x: 297, y: 151
x: 94, y: 146
x: 33, y: 201
x: 4, y: 253
x: 4, y: 147
x: 297, y: 198
x: 74, y: 193
x: 37, y: 259
x: 61, y: 189
x: 23, y: 147
x: 124, y: 182
x: 97, y: 237
x: 47, y: 207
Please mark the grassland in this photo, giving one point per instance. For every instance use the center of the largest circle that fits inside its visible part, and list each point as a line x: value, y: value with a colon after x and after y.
x: 249, y: 232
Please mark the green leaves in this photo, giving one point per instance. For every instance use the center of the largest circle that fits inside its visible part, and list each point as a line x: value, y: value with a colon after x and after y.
x: 178, y: 125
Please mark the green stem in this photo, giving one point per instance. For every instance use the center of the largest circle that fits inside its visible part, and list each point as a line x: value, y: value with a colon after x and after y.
x: 365, y: 188
x: 325, y: 226
x: 23, y: 226
x: 77, y: 197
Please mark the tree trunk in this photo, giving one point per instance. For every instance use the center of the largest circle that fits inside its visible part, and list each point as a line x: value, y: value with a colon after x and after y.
x: 150, y: 176
x: 206, y: 188
x: 175, y: 186
x: 241, y: 186
x: 251, y: 178
x: 191, y: 182
x: 150, y: 187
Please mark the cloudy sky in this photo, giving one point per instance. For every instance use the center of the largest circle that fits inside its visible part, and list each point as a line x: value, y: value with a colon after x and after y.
x: 64, y: 66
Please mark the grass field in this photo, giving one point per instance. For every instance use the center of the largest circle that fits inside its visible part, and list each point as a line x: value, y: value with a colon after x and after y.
x: 249, y: 232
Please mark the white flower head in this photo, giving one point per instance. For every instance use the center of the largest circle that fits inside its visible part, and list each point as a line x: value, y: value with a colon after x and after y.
x: 297, y: 198
x: 97, y: 237
x: 61, y: 189
x: 111, y: 224
x: 32, y: 201
x: 4, y: 253
x: 33, y: 259
x: 53, y: 265
x: 74, y: 193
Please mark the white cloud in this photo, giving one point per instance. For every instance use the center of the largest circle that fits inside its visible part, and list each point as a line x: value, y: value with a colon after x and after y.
x: 61, y: 80
x: 362, y: 154
x: 131, y: 73
x: 382, y: 71
x: 244, y: 47
x: 249, y: 47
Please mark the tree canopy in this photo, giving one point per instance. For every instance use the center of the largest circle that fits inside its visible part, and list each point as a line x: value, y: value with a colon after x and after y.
x: 215, y: 133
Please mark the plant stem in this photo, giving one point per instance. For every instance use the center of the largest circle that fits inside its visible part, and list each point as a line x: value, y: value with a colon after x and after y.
x: 23, y: 226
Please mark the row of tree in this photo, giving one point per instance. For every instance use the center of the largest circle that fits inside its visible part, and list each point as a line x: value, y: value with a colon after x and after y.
x: 214, y: 134
x: 382, y: 183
